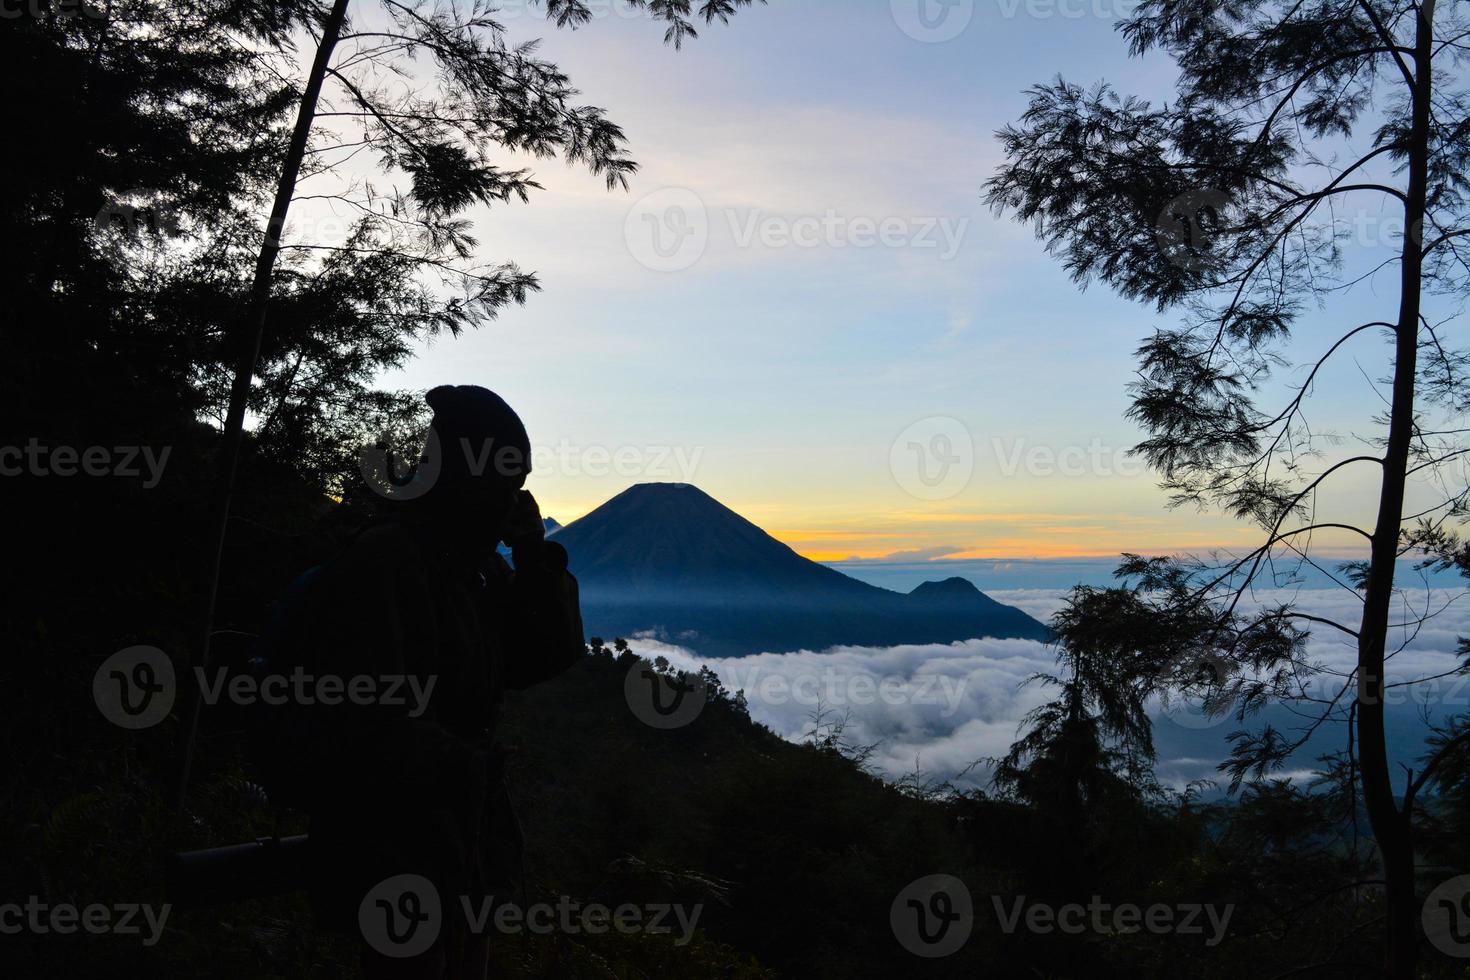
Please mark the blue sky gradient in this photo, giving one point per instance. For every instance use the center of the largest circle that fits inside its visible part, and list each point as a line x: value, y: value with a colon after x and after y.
x: 793, y: 381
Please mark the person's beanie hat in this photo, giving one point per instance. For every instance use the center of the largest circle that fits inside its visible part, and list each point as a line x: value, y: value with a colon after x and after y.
x: 479, y: 434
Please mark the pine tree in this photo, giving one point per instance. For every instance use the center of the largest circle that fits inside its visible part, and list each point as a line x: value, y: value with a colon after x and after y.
x: 1221, y: 205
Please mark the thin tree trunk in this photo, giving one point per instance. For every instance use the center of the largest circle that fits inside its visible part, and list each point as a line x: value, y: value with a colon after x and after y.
x: 252, y: 329
x: 1391, y: 827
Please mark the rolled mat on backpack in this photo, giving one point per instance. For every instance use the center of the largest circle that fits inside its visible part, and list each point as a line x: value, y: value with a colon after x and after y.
x: 219, y: 875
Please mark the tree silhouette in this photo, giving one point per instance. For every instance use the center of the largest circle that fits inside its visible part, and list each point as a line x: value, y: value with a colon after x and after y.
x: 1097, y: 726
x: 1089, y: 752
x: 486, y: 96
x: 1223, y: 204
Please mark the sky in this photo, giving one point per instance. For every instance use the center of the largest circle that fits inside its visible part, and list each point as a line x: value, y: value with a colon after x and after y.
x: 804, y: 307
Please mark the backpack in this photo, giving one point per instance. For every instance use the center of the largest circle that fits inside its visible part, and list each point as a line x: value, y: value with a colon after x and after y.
x: 275, y: 733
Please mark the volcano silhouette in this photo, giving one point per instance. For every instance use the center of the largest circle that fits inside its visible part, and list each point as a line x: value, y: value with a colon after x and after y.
x: 671, y: 561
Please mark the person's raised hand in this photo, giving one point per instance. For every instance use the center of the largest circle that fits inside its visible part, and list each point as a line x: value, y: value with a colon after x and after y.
x: 523, y: 525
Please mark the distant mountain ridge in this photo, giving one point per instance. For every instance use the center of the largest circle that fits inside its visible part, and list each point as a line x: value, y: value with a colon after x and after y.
x: 668, y: 559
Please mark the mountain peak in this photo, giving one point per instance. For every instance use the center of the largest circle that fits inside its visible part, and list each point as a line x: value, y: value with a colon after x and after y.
x: 666, y: 491
x: 674, y: 535
x: 669, y: 558
x: 950, y: 588
x: 669, y: 504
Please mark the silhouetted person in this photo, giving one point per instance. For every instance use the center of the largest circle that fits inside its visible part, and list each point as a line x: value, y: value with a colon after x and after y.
x: 418, y: 789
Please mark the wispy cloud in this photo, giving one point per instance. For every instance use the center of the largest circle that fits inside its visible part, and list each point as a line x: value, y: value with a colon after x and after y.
x: 917, y: 554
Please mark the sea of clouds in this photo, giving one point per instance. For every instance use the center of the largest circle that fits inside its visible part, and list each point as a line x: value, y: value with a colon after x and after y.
x: 940, y: 709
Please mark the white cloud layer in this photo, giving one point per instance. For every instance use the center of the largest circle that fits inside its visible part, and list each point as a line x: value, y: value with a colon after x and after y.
x: 941, y: 708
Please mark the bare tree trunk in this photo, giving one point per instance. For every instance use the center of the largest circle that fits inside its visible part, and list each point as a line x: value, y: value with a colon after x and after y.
x: 1391, y: 826
x: 252, y: 329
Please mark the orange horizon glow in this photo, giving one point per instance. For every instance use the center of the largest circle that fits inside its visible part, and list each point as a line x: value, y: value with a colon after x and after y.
x: 978, y: 555
x: 828, y: 530
x: 1036, y: 554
